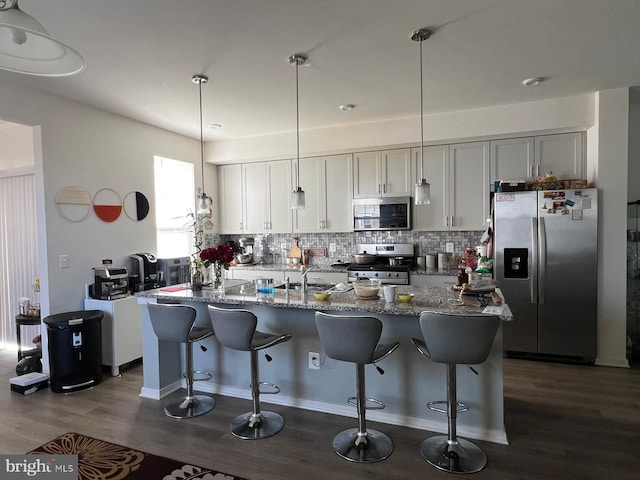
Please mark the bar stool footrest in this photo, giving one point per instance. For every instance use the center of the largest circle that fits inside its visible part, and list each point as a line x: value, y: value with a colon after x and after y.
x: 432, y: 406
x: 276, y: 388
x: 199, y: 376
x: 378, y: 405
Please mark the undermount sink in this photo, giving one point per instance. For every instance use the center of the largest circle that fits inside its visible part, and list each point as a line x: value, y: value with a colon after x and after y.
x: 312, y: 287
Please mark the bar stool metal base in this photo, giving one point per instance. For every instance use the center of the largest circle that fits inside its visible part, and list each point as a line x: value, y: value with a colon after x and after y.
x: 246, y: 427
x: 465, y: 457
x: 189, y: 407
x: 372, y: 447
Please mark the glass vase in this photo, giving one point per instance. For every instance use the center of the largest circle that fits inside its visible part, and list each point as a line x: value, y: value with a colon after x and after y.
x: 217, y: 277
x: 196, y: 280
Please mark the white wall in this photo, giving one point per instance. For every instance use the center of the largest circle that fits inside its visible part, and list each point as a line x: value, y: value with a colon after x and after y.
x: 563, y: 114
x: 613, y: 144
x: 16, y: 146
x: 77, y: 145
x: 634, y: 153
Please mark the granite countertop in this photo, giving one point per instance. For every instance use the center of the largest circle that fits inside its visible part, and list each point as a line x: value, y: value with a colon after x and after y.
x: 243, y: 292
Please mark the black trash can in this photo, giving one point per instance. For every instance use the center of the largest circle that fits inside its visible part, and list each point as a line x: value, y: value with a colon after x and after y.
x: 75, y: 350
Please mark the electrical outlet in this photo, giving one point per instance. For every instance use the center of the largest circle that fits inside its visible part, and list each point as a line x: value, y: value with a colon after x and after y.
x: 449, y: 247
x: 314, y: 361
x: 332, y: 248
x: 283, y: 246
x: 64, y: 261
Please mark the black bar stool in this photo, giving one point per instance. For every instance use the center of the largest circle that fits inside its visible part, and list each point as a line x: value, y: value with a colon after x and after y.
x: 176, y: 323
x: 236, y: 329
x: 454, y: 339
x: 355, y: 339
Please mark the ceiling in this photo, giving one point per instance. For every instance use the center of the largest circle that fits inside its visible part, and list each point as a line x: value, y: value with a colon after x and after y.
x: 142, y: 54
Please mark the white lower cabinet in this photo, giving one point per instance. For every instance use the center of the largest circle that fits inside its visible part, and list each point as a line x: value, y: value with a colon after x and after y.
x: 121, y: 330
x: 245, y: 273
x: 423, y: 281
x: 314, y: 276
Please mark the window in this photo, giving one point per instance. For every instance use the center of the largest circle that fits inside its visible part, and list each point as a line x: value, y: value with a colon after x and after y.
x: 175, y: 196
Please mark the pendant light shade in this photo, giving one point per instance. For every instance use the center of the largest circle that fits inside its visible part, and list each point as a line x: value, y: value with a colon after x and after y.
x: 26, y: 47
x: 297, y: 196
x: 423, y: 189
x: 203, y: 201
x: 423, y: 192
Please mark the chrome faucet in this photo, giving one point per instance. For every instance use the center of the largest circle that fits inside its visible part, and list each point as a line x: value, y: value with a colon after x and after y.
x: 303, y: 278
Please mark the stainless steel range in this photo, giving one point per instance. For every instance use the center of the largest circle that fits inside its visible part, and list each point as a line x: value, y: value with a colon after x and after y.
x: 391, y: 264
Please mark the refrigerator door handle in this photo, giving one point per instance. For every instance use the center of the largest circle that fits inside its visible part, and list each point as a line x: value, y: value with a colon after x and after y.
x: 542, y: 262
x: 533, y: 284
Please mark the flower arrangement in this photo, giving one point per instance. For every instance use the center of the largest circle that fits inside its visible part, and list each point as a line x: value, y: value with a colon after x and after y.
x: 222, y: 255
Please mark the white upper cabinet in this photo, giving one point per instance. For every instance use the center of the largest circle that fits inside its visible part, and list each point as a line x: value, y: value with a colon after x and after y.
x: 433, y: 217
x: 459, y: 179
x: 561, y: 154
x: 256, y: 197
x: 529, y: 157
x: 384, y: 173
x: 469, y: 196
x: 327, y: 183
x: 230, y: 199
x: 512, y: 159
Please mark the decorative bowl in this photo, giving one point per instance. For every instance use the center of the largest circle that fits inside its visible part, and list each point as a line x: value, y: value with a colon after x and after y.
x: 405, y: 297
x: 367, y: 288
x: 321, y: 295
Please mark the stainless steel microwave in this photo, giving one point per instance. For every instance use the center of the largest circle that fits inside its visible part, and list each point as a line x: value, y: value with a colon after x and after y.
x: 382, y: 213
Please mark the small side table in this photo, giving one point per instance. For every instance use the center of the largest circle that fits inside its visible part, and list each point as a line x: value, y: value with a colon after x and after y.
x: 20, y: 321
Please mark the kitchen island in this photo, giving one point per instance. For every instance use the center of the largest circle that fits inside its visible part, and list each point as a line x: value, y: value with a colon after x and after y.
x: 409, y: 382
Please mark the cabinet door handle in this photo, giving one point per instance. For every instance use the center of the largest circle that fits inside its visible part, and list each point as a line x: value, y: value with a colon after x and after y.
x: 384, y: 188
x: 379, y: 188
x: 240, y: 225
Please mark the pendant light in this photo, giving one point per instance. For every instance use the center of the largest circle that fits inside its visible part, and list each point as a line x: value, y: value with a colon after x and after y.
x: 423, y: 189
x: 203, y: 200
x: 297, y: 196
x: 26, y: 47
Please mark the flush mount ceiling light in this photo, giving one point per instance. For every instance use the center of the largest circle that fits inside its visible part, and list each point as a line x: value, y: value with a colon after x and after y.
x: 423, y: 189
x: 347, y: 107
x: 297, y: 196
x: 26, y: 47
x: 532, y: 82
x: 203, y: 200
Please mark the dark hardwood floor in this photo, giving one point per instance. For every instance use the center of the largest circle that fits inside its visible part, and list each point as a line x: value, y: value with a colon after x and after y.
x: 563, y: 422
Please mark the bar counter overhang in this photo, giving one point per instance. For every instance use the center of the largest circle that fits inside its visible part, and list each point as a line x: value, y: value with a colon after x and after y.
x: 409, y: 382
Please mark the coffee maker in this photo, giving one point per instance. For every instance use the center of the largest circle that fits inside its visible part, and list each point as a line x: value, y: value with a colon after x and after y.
x: 109, y: 283
x: 144, y: 271
x: 246, y: 251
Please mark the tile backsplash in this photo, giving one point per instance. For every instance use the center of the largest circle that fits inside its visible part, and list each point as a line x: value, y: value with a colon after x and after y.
x: 425, y: 242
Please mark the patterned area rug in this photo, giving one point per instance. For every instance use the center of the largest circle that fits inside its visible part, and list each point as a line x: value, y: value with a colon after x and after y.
x: 100, y: 460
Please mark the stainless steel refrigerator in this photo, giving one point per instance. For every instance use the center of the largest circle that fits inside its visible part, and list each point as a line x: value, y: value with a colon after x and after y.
x: 545, y: 262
